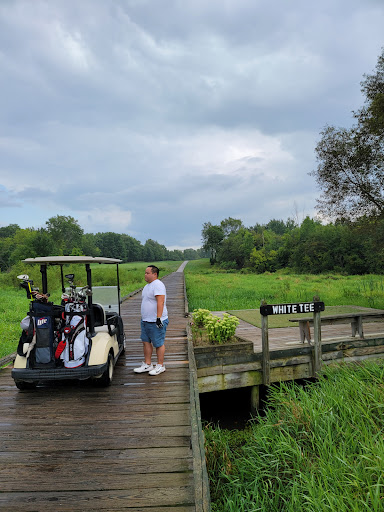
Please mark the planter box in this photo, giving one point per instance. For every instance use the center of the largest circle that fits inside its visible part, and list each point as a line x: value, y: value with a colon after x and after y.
x: 223, y: 355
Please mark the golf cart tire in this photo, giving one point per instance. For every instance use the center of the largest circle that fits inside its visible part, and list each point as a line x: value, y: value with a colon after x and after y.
x: 25, y: 386
x: 106, y: 379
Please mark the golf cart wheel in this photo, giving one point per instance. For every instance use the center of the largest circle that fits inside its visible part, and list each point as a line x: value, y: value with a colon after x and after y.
x: 106, y: 379
x: 24, y: 386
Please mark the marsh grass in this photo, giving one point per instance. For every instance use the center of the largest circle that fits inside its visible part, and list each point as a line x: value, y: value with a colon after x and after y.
x: 318, y: 448
x: 14, y: 304
x: 216, y: 290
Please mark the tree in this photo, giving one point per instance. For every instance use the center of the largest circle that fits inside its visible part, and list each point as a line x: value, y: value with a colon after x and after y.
x: 372, y: 115
x: 235, y: 250
x: 153, y: 251
x: 350, y: 173
x: 212, y: 238
x: 231, y: 225
x: 65, y: 232
x: 89, y: 245
x: 133, y: 248
x: 110, y: 245
x: 190, y: 254
x: 9, y: 230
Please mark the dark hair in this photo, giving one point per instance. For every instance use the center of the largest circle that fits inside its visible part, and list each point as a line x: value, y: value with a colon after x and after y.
x: 155, y: 270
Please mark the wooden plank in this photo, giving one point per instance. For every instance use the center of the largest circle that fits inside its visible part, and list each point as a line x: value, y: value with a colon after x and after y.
x: 111, y: 500
x: 16, y: 457
x: 113, y: 444
x: 63, y: 475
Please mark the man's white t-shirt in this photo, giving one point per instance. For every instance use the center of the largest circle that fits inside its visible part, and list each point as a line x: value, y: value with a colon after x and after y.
x: 149, y: 302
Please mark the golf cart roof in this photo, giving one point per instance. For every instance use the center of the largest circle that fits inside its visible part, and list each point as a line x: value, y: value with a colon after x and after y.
x: 63, y: 260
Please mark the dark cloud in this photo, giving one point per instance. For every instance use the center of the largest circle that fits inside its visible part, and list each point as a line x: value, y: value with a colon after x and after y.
x: 153, y: 117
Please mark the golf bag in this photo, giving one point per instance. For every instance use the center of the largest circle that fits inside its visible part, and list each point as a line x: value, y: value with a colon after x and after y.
x: 73, y: 346
x: 41, y: 345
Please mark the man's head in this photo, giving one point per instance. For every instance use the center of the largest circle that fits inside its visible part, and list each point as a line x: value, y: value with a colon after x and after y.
x: 151, y: 273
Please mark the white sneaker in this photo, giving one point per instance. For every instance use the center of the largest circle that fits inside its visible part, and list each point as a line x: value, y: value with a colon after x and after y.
x: 157, y: 370
x: 144, y: 368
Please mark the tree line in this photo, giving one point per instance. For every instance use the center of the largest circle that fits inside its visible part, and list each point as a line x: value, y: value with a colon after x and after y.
x: 62, y: 235
x: 310, y: 247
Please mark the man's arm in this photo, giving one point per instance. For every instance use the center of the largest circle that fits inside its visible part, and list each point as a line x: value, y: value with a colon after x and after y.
x: 160, y: 299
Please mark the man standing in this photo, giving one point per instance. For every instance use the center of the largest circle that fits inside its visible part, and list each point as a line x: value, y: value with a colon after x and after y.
x: 154, y: 321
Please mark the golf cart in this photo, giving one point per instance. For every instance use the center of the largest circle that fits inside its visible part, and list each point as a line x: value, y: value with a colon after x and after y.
x: 80, y: 338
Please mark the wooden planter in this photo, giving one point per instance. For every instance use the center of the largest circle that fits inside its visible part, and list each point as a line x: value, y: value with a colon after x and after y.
x: 223, y: 355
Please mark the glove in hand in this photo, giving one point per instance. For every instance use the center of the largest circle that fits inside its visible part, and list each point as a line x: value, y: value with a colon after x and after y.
x: 159, y: 323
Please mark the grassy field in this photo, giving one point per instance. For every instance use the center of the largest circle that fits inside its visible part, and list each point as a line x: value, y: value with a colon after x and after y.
x: 317, y: 449
x: 211, y: 289
x: 14, y: 303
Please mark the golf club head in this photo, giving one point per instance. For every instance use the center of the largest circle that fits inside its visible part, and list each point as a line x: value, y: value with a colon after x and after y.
x: 23, y: 277
x: 70, y: 277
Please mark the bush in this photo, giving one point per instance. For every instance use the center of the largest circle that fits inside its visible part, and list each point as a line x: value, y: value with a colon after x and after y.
x: 221, y: 329
x: 199, y: 316
x: 217, y: 329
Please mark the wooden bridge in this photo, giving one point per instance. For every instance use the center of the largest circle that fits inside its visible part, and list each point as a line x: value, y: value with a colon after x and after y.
x: 136, y: 445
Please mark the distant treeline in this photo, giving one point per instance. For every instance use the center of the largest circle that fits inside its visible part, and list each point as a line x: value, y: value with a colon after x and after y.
x: 343, y: 247
x: 64, y: 236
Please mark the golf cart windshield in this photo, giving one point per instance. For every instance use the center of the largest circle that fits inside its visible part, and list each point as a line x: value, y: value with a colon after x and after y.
x: 107, y: 296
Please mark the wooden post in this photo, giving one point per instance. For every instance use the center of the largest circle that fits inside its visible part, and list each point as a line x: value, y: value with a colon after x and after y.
x: 255, y: 399
x: 265, y: 349
x: 317, y: 356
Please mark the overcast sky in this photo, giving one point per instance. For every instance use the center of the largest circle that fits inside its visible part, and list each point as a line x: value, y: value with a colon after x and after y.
x: 151, y: 117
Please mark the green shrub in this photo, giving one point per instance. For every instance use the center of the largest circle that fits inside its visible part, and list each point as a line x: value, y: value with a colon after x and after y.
x: 199, y: 316
x: 217, y: 329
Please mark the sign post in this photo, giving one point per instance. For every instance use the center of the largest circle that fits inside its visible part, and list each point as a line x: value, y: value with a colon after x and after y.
x: 288, y: 309
x: 265, y: 348
x: 317, y: 359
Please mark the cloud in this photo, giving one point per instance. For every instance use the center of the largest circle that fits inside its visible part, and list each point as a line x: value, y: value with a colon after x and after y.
x: 108, y: 218
x: 152, y: 118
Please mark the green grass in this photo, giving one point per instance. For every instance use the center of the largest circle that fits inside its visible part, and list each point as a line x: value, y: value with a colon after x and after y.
x: 215, y: 290
x: 14, y: 303
x: 252, y: 316
x: 318, y: 448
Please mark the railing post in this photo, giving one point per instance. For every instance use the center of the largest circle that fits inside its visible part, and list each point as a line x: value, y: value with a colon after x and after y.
x: 265, y: 349
x: 255, y: 399
x: 317, y: 353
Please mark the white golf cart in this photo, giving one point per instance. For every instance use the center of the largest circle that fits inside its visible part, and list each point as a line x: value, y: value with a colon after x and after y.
x: 81, y: 338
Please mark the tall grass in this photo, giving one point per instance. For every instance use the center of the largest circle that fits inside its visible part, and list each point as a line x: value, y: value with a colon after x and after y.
x: 215, y: 290
x: 317, y: 449
x: 14, y: 304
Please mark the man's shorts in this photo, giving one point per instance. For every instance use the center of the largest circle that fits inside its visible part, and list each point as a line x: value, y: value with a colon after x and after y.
x: 152, y: 334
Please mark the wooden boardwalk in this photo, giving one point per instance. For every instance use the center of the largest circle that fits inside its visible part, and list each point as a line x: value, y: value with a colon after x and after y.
x: 131, y: 446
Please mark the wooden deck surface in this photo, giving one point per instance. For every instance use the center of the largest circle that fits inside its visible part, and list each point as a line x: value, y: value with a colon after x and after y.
x: 127, y: 447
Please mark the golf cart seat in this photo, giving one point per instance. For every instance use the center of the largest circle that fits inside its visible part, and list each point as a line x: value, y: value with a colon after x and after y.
x: 99, y: 315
